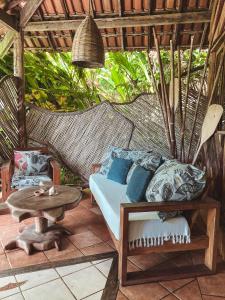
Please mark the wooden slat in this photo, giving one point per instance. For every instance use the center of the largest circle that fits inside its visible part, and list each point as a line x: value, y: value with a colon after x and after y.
x: 166, y: 274
x: 6, y: 43
x: 28, y: 11
x: 8, y: 21
x: 149, y: 20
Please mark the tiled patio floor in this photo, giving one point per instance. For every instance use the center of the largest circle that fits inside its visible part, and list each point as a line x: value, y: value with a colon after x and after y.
x: 87, y: 280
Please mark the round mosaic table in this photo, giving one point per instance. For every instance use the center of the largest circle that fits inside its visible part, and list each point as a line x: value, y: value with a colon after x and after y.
x: 24, y: 204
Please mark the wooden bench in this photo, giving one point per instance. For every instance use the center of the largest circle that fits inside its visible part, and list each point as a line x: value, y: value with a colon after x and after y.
x: 207, y: 241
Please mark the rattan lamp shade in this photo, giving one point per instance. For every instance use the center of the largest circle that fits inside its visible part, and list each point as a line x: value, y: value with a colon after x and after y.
x: 88, y: 48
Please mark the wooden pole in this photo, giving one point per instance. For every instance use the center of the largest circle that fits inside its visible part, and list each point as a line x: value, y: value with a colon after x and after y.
x: 159, y: 99
x: 172, y: 118
x: 19, y: 72
x: 182, y: 150
x: 164, y: 96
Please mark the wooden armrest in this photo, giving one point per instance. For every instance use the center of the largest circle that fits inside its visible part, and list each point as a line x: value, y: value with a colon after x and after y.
x: 6, y: 175
x: 95, y: 168
x: 56, y: 171
x: 7, y: 166
x: 54, y: 164
x: 169, y: 206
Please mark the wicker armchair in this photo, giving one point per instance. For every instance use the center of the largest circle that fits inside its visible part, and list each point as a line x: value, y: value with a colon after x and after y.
x: 7, y: 171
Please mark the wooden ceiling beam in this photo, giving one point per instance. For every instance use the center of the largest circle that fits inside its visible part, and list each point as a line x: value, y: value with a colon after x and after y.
x: 120, y: 22
x: 8, y: 21
x: 28, y: 11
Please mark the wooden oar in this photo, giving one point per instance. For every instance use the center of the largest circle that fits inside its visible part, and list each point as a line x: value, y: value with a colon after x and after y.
x: 210, y: 123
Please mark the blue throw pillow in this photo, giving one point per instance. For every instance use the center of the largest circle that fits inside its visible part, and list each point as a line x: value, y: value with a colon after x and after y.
x: 138, y: 184
x: 119, y: 170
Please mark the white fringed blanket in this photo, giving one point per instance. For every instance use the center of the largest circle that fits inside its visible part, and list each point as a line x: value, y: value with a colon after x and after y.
x: 155, y: 233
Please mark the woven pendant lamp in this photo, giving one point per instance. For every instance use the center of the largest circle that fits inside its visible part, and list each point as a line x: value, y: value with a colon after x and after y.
x: 88, y: 48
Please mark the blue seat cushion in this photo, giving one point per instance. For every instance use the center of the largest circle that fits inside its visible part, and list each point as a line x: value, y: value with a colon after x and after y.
x: 119, y: 170
x: 138, y: 184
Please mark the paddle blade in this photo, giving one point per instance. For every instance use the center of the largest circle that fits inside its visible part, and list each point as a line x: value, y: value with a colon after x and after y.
x: 210, y: 123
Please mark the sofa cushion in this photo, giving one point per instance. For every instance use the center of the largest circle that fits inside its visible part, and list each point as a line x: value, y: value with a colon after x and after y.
x: 119, y: 170
x: 138, y: 183
x: 109, y: 195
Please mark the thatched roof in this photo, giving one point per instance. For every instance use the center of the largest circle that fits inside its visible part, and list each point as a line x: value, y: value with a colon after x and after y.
x: 124, y: 24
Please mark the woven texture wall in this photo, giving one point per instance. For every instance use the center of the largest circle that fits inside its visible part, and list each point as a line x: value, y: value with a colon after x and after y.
x: 81, y: 139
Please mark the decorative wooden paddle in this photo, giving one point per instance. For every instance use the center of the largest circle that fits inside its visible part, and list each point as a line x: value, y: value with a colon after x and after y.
x: 210, y: 123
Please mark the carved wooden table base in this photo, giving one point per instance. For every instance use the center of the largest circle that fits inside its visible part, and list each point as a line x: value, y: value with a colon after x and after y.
x: 39, y: 237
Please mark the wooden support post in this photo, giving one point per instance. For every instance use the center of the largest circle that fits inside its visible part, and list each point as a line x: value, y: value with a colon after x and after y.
x: 41, y: 224
x: 19, y: 72
x: 123, y: 247
x: 212, y: 232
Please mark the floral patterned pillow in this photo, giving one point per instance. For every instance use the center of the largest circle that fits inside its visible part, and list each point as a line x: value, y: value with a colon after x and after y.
x: 30, y: 163
x: 175, y: 181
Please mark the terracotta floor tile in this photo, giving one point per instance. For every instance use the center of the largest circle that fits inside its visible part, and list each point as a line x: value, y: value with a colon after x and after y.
x: 19, y: 258
x: 1, y: 249
x: 101, y: 231
x: 206, y: 297
x: 4, y: 263
x: 111, y: 244
x: 131, y: 267
x: 10, y: 233
x: 170, y: 297
x: 182, y: 260
x: 120, y: 296
x: 85, y: 239
x: 97, y: 249
x: 213, y: 285
x: 172, y: 285
x: 147, y: 261
x: 148, y: 291
x: 189, y: 291
x: 76, y: 211
x: 68, y: 251
x: 96, y: 210
x: 75, y: 225
x: 7, y: 219
x: 86, y: 203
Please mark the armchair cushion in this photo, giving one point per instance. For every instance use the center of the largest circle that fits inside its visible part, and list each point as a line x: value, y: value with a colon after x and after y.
x: 30, y: 163
x: 21, y: 181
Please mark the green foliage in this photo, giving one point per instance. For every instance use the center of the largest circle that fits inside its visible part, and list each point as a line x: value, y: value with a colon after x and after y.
x: 53, y: 82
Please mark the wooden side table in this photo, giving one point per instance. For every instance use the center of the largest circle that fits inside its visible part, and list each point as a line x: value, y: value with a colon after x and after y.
x: 24, y: 204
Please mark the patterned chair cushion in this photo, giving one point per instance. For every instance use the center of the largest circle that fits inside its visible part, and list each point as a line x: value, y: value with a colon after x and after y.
x: 30, y: 163
x: 147, y: 159
x: 174, y: 181
x: 21, y: 181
